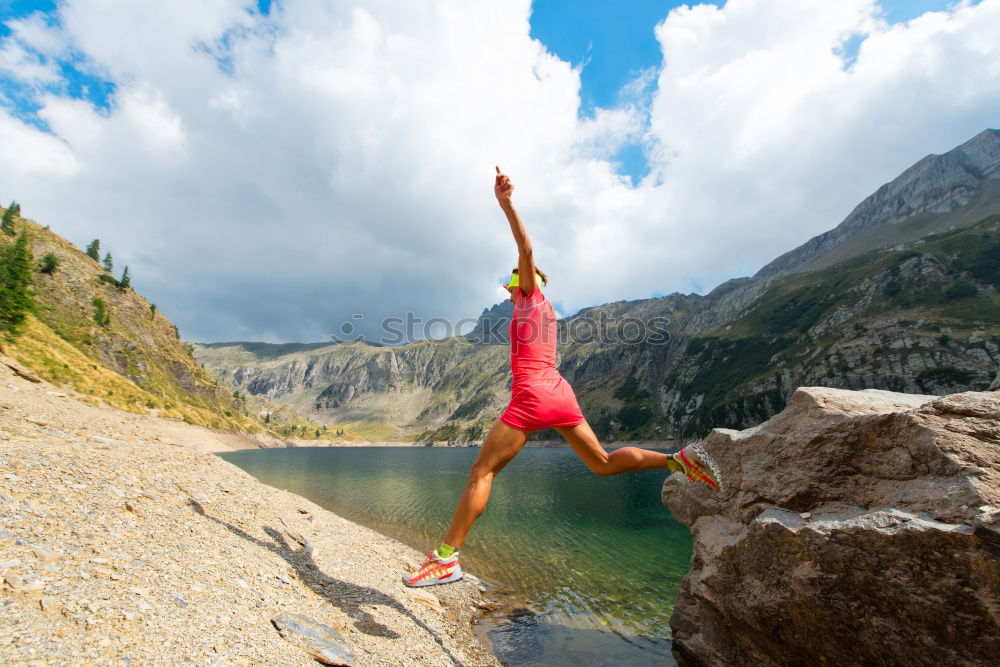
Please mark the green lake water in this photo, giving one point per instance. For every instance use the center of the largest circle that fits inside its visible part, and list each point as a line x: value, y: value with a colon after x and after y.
x: 597, y: 561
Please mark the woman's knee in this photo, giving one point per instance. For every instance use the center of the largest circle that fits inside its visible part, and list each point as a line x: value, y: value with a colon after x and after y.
x: 601, y: 466
x: 617, y: 461
x: 482, y: 471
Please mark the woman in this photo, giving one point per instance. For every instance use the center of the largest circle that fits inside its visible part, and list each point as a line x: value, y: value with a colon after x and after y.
x: 540, y: 398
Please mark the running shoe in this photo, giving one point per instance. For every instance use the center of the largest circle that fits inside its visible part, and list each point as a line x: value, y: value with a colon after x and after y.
x: 700, y: 468
x: 435, y: 570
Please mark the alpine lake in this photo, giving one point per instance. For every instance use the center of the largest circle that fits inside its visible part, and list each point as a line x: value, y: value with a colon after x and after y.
x: 590, y: 566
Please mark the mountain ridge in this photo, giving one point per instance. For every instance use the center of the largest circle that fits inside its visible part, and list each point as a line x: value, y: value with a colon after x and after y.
x: 957, y: 176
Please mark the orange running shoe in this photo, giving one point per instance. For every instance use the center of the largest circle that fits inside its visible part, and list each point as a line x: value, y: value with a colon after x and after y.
x: 700, y: 468
x: 435, y: 570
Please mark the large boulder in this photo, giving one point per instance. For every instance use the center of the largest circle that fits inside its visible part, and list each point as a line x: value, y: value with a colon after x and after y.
x: 852, y: 528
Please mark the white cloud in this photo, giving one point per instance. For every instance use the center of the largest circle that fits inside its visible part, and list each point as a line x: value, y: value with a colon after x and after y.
x: 765, y: 139
x: 152, y: 122
x: 29, y: 154
x: 36, y: 32
x: 26, y: 55
x: 266, y: 177
x: 21, y: 64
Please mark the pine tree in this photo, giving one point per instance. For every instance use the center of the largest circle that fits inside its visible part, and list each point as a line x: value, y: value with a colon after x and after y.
x: 267, y: 418
x: 49, y: 263
x: 7, y: 222
x: 152, y: 310
x: 108, y: 264
x: 15, y: 284
x: 94, y: 250
x: 126, y: 281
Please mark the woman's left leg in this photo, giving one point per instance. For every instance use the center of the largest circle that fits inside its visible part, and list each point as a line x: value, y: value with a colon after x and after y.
x: 502, y: 444
x: 692, y: 461
x: 586, y: 445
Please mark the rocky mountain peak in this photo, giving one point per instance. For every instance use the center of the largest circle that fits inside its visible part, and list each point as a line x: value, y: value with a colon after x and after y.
x: 935, y: 186
x: 492, y: 327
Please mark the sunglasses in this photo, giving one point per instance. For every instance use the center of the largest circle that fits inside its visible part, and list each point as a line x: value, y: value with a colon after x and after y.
x: 514, y: 281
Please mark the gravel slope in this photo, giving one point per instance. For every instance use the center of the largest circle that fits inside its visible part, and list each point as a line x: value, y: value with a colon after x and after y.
x: 122, y: 540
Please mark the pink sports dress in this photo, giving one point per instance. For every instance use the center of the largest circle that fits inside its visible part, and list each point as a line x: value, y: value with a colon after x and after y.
x: 540, y: 397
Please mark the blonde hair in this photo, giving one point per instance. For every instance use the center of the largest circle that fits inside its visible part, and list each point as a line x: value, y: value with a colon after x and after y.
x: 545, y: 278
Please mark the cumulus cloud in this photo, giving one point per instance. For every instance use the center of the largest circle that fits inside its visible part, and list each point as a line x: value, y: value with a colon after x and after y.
x: 766, y: 133
x: 267, y: 177
x: 28, y: 53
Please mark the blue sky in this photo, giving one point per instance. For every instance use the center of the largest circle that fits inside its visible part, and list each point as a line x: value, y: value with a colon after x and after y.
x: 611, y: 46
x: 369, y: 129
x: 19, y: 8
x: 77, y: 81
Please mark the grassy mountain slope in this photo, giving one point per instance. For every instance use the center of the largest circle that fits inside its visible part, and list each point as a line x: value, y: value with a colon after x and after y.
x: 133, y: 360
x: 373, y: 392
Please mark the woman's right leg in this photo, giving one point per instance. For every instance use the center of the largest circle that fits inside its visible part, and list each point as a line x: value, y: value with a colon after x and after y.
x: 501, y: 445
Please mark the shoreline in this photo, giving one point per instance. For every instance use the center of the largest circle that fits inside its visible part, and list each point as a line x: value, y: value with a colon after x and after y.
x: 124, y: 536
x: 535, y: 444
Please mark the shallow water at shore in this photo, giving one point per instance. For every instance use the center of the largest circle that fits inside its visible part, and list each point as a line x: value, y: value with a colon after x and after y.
x: 592, y: 563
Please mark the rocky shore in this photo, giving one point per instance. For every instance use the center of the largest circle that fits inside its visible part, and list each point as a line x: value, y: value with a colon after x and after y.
x: 123, y: 541
x: 854, y: 527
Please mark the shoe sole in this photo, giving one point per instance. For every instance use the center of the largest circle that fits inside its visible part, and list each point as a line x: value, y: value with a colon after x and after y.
x: 707, y: 461
x: 703, y: 469
x: 433, y: 582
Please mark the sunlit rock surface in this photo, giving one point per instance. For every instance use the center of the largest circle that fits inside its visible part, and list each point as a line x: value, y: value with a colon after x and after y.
x: 853, y: 528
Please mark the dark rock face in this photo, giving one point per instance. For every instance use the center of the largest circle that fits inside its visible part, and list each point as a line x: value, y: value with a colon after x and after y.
x: 853, y: 528
x: 493, y: 327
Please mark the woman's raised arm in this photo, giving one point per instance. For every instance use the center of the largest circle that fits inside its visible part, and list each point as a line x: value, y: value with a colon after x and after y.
x: 503, y: 189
